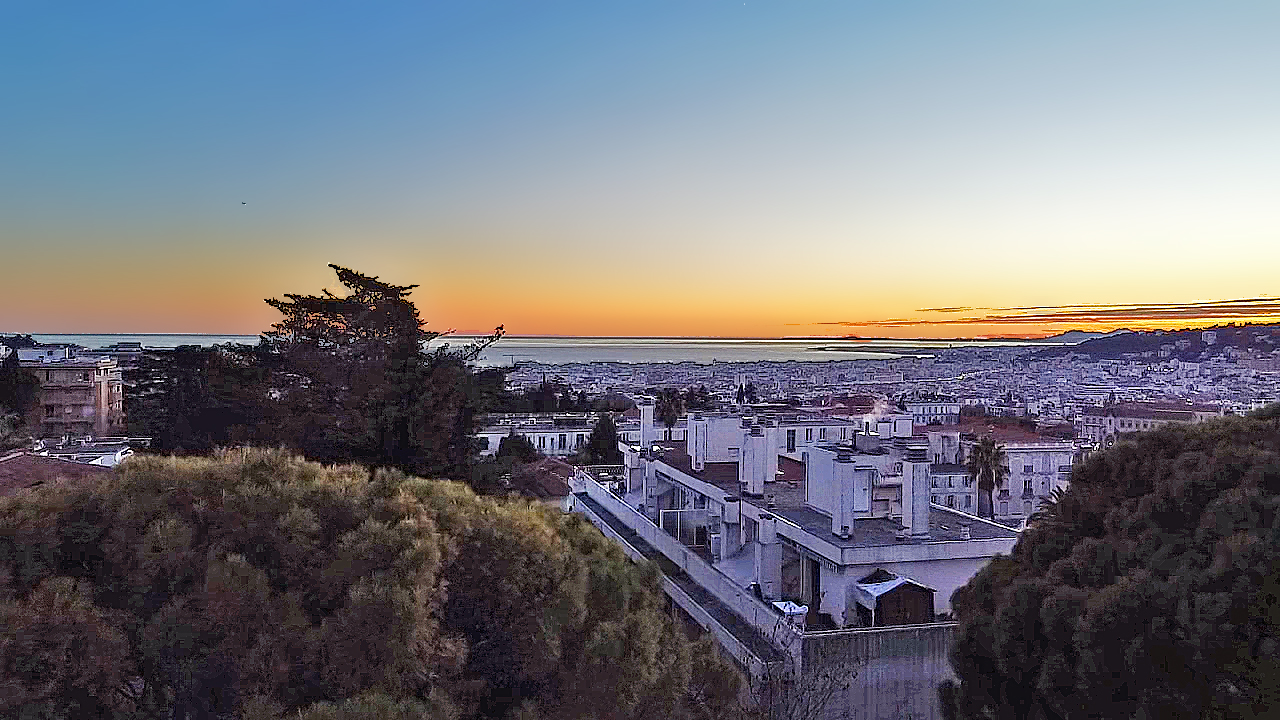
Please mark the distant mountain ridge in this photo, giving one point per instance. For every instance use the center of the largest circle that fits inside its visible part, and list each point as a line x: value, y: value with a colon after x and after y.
x: 1189, y: 344
x: 1079, y: 336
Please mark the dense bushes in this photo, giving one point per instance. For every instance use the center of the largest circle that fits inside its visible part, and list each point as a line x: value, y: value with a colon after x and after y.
x: 255, y: 583
x: 1150, y: 589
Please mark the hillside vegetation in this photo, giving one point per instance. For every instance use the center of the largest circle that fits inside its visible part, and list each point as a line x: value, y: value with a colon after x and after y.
x: 1151, y: 589
x: 254, y: 584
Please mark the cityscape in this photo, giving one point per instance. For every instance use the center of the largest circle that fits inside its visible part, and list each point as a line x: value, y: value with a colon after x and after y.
x: 640, y: 361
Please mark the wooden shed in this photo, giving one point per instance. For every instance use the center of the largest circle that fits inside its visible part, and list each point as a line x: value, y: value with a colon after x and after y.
x: 884, y: 598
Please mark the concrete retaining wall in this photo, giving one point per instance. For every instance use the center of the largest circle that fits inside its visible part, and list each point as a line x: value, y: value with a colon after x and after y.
x: 898, y: 670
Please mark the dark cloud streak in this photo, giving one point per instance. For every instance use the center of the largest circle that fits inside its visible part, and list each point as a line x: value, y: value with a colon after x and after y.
x: 1087, y: 313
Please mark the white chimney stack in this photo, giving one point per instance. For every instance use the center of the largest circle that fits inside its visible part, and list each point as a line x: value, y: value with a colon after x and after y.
x: 696, y: 439
x: 647, y: 436
x: 752, y: 462
x: 915, y: 498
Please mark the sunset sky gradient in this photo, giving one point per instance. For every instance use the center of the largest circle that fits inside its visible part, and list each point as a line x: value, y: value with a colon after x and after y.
x: 644, y: 168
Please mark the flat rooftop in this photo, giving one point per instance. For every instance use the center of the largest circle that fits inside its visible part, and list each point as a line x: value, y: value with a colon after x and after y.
x: 944, y: 526
x: 789, y: 503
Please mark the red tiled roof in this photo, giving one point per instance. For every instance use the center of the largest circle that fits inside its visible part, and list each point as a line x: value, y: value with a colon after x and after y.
x: 1004, y: 433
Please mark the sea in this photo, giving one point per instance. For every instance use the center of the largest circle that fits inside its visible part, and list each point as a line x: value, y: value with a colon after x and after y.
x: 560, y: 350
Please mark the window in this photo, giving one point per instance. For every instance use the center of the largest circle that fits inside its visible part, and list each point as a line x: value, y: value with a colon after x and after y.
x: 933, y: 499
x: 791, y: 441
x: 699, y: 502
x: 843, y: 432
x: 822, y: 433
x: 951, y: 482
x: 1026, y: 508
x: 951, y: 501
x: 808, y: 434
x: 1028, y: 468
x: 1026, y: 487
x: 968, y: 501
x: 937, y: 481
x: 1004, y: 508
x: 582, y: 438
x: 564, y: 441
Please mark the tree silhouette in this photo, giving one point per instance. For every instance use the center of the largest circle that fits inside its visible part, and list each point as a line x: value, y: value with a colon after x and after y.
x: 987, y: 465
x: 1149, y: 588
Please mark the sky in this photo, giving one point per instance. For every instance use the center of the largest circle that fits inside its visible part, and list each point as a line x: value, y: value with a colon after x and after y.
x: 626, y: 168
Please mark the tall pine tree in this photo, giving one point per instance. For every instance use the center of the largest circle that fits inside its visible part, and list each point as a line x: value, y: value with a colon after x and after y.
x: 356, y: 382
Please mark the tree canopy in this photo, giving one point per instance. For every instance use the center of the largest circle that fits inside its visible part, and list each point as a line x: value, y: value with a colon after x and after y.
x: 19, y: 389
x: 255, y: 584
x: 1150, y: 588
x: 602, y: 445
x: 340, y: 378
x: 669, y: 406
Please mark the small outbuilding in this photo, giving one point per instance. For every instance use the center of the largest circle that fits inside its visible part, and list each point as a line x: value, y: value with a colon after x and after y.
x: 884, y: 598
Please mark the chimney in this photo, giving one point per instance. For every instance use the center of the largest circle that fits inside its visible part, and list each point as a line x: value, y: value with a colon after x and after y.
x: 965, y: 533
x: 768, y: 560
x: 647, y: 436
x: 915, y: 498
x: 771, y: 444
x: 842, y: 474
x: 696, y: 440
x: 752, y: 462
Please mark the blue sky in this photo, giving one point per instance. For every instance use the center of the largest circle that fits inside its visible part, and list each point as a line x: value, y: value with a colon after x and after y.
x: 712, y: 168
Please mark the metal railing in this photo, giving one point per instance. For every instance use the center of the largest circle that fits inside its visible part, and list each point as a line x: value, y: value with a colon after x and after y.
x: 740, y: 600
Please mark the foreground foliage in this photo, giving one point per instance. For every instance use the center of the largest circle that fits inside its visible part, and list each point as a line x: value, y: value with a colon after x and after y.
x: 1150, y: 589
x: 256, y: 584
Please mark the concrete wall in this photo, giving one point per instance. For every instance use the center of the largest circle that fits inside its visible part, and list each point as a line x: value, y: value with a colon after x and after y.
x: 898, y: 670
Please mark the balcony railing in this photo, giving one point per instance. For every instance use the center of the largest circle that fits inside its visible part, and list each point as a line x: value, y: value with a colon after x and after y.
x: 739, y: 599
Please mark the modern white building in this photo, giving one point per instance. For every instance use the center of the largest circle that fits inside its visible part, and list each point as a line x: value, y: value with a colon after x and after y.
x: 554, y: 434
x: 785, y: 547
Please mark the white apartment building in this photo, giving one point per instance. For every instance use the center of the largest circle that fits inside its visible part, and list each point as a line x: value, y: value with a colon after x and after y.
x: 554, y: 434
x: 829, y: 539
x: 933, y: 409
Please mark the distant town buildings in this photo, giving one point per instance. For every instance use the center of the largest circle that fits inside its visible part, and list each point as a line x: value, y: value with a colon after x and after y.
x: 931, y: 409
x: 1101, y: 425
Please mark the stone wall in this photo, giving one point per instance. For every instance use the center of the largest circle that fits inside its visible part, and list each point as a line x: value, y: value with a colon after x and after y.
x: 898, y: 670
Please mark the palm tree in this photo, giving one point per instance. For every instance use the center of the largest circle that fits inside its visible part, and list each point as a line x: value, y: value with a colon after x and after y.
x: 987, y: 466
x: 1053, y: 509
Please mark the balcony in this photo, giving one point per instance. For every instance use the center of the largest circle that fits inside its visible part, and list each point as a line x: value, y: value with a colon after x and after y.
x: 755, y: 633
